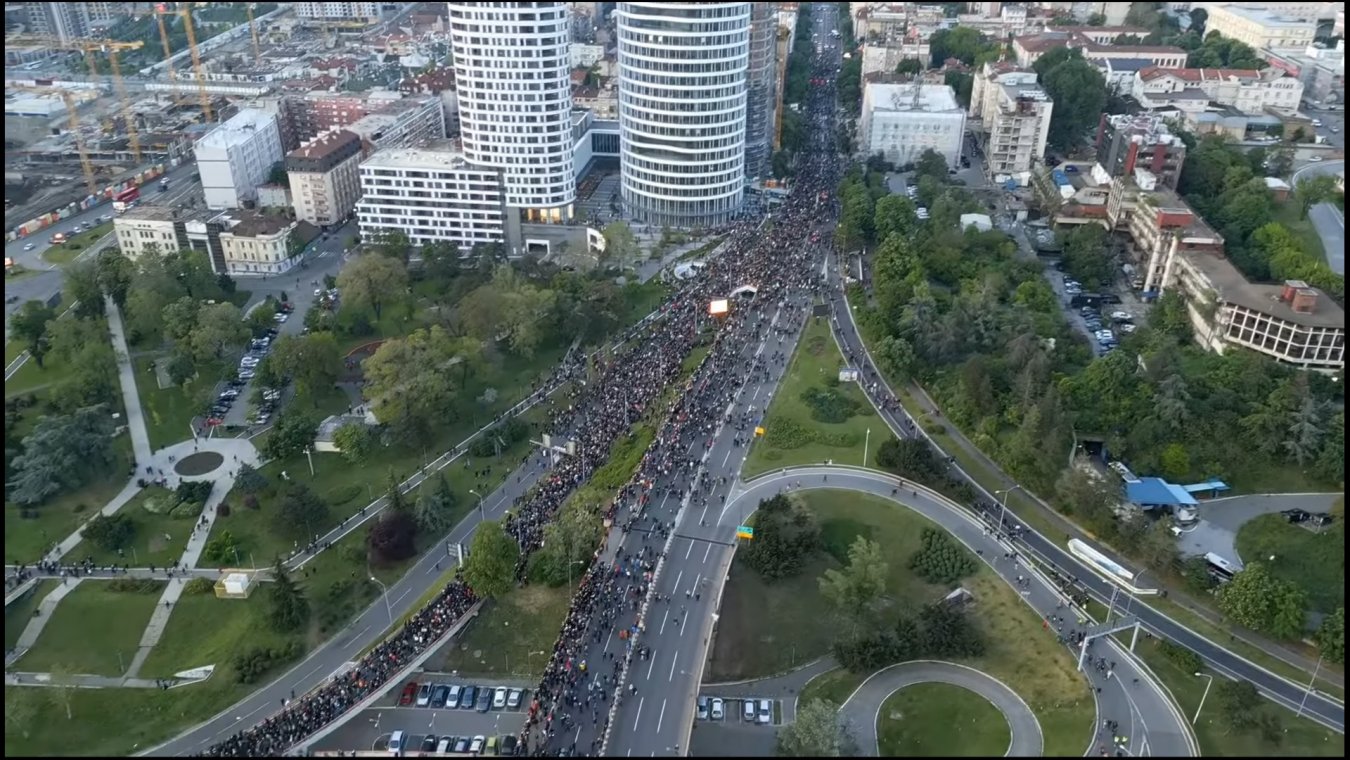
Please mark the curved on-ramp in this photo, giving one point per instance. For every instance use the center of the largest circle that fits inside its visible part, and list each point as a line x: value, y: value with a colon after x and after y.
x: 863, y: 707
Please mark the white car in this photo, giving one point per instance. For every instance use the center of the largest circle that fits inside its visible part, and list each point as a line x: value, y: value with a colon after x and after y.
x: 476, y: 745
x: 1127, y: 328
x: 718, y: 711
x: 1122, y: 316
x: 1315, y: 159
x: 499, y: 698
x: 30, y: 246
x: 765, y: 711
x: 281, y: 317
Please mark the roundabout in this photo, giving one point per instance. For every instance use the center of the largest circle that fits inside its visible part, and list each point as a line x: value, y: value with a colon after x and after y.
x: 200, y: 463
x: 882, y: 712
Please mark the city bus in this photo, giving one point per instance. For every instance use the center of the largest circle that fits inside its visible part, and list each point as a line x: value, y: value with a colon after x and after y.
x: 126, y: 199
x: 1219, y: 568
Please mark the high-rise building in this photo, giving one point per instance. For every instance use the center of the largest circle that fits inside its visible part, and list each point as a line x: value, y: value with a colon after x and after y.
x: 1019, y: 126
x: 682, y: 111
x: 235, y: 158
x: 761, y: 89
x: 64, y: 21
x: 515, y: 102
x: 365, y: 12
x: 901, y: 121
x: 325, y: 177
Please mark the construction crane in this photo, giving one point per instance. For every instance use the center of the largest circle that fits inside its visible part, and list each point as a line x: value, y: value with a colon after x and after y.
x: 74, y: 121
x: 90, y: 47
x: 168, y: 59
x: 186, y: 13
x: 253, y: 30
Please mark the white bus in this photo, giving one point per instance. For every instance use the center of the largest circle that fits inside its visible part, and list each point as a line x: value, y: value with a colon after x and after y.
x: 1221, y: 569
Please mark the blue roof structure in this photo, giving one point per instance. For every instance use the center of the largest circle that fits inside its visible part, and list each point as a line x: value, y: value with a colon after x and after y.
x: 1156, y: 492
x: 1209, y: 485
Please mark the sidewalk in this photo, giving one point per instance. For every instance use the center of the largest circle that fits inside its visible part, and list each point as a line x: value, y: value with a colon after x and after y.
x: 158, y: 622
x: 33, y: 629
x: 96, y: 682
x: 140, y: 440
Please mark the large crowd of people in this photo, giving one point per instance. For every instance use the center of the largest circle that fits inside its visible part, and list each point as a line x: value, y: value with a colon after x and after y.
x: 777, y: 262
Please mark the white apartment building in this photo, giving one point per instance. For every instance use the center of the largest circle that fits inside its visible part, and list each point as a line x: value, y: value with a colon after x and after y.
x: 901, y: 121
x: 761, y: 89
x: 402, y: 123
x: 512, y: 77
x: 236, y: 157
x: 1247, y: 90
x: 434, y: 194
x: 146, y: 228
x: 1315, y: 10
x: 581, y: 55
x: 256, y: 244
x: 325, y: 177
x: 1277, y: 27
x: 884, y: 57
x: 237, y: 243
x: 986, y: 86
x: 683, y: 76
x: 1018, y: 128
x: 364, y: 12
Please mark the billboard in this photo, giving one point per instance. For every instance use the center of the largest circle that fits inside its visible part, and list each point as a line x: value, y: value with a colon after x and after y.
x: 719, y: 306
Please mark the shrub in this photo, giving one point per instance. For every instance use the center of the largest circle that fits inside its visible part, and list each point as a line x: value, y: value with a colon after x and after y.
x: 109, y: 533
x: 198, y: 586
x: 223, y: 510
x: 784, y: 432
x: 251, y: 501
x: 940, y: 559
x: 221, y: 549
x: 159, y: 505
x: 186, y: 510
x: 252, y: 663
x: 339, y: 496
x: 830, y: 404
x: 1180, y: 656
x: 195, y: 490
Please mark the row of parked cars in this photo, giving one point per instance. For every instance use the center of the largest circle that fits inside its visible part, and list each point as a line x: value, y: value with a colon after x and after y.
x: 446, y: 745
x: 455, y: 697
x: 1120, y: 321
x: 752, y: 710
x: 913, y: 193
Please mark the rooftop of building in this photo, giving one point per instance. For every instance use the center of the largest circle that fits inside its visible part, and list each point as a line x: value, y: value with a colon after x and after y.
x: 911, y: 97
x: 1233, y: 287
x: 325, y: 144
x: 1127, y: 64
x: 1199, y: 75
x: 1270, y: 17
x: 432, y: 154
x: 150, y: 213
x: 1046, y: 41
x: 239, y: 129
x: 1151, y: 127
x: 1028, y: 91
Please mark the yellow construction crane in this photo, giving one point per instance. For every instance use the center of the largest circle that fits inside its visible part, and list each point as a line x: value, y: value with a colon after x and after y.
x: 168, y: 59
x: 186, y: 12
x: 253, y: 30
x: 73, y: 120
x: 90, y: 47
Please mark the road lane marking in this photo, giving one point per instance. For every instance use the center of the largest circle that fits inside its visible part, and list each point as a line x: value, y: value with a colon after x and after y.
x: 662, y: 717
x: 690, y: 550
x: 673, y: 660
x: 638, y: 717
x: 676, y: 587
x: 649, y: 669
x: 664, y: 618
x: 706, y: 553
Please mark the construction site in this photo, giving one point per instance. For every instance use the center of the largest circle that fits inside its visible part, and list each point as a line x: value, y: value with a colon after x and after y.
x: 102, y: 97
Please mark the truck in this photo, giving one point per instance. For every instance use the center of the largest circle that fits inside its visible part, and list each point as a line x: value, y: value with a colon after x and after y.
x: 126, y: 199
x: 163, y: 184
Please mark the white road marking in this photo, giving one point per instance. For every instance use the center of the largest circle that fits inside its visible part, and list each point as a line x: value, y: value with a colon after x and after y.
x: 706, y: 553
x: 690, y: 549
x: 664, y: 618
x: 649, y: 669
x: 639, y: 713
x: 673, y: 660
x: 661, y: 718
x: 676, y: 587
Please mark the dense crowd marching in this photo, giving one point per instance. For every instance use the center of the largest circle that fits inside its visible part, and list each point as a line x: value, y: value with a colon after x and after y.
x: 777, y: 265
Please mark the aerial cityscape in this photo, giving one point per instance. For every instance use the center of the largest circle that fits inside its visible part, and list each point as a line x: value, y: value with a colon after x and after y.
x: 732, y: 379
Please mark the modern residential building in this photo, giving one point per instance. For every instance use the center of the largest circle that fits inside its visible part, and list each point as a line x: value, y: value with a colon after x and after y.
x: 901, y: 121
x: 363, y: 12
x: 1275, y: 27
x: 237, y: 156
x: 434, y: 193
x: 1018, y: 128
x: 401, y: 124
x: 325, y: 177
x: 682, y: 111
x: 761, y: 89
x: 1247, y: 90
x: 986, y: 85
x: 1322, y: 11
x: 1126, y: 142
x: 512, y: 63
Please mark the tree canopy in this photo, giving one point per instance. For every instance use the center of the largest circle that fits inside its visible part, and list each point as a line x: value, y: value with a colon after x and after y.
x: 1079, y: 92
x: 490, y: 568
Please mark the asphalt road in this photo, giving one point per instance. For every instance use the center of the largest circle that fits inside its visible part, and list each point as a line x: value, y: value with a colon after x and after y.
x: 863, y: 708
x: 1327, y: 220
x: 1316, y: 706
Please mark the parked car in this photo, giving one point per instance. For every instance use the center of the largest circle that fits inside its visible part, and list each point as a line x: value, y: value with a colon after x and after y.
x: 484, y: 700
x: 409, y: 694
x: 29, y: 246
x: 748, y: 710
x: 429, y: 743
x: 467, y: 697
x: 452, y: 699
x: 462, y: 745
x: 476, y: 745
x: 514, y: 699
x: 424, y: 695
x: 765, y: 711
x: 446, y: 743
x: 1121, y: 316
x: 499, y: 697
x: 702, y: 708
x: 438, y: 695
x: 718, y: 710
x: 1296, y: 516
x: 1127, y: 328
x: 508, y: 745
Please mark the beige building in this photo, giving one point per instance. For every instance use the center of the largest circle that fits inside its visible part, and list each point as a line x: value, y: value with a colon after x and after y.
x: 879, y: 57
x: 985, y: 86
x: 237, y: 243
x: 1247, y: 90
x: 1097, y: 44
x: 1018, y: 128
x: 1276, y: 27
x: 325, y: 177
x: 256, y: 244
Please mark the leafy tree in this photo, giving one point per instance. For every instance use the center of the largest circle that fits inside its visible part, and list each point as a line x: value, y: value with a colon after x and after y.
x: 963, y: 43
x: 301, y: 512
x: 392, y: 538
x: 931, y: 164
x: 1257, y: 600
x: 1239, y: 703
x: 373, y: 282
x: 29, y: 325
x: 287, y: 607
x: 490, y: 568
x: 621, y: 246
x: 948, y: 632
x: 897, y: 358
x: 939, y: 559
x: 292, y: 433
x: 1330, y: 636
x: 817, y: 732
x: 909, y: 66
x: 393, y: 244
x: 219, y: 329
x: 1304, y: 437
x: 110, y: 533
x: 312, y: 361
x: 869, y: 651
x: 248, y: 480
x: 355, y: 441
x: 1219, y: 52
x: 895, y: 214
x: 786, y: 534
x: 114, y: 273
x: 910, y: 458
x: 1079, y: 92
x: 569, y: 541
x: 82, y: 288
x: 222, y: 549
x: 396, y: 500
x: 1313, y: 190
x: 435, y: 508
x: 61, y: 454
x: 508, y: 307
x: 414, y: 381
x: 857, y: 588
x: 1089, y: 497
x: 1086, y: 254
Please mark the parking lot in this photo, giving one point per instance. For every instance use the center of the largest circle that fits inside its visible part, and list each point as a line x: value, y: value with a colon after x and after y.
x: 436, y: 715
x: 748, y: 711
x: 1105, y: 321
x: 736, y: 733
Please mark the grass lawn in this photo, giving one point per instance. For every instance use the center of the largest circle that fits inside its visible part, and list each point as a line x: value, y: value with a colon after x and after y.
x: 832, y: 686
x: 794, y: 617
x: 149, y: 545
x: 30, y: 377
x: 941, y: 720
x: 71, y: 249
x: 17, y: 272
x: 204, y: 630
x: 1287, y: 214
x: 12, y: 350
x: 169, y: 412
x: 70, y: 640
x: 793, y: 434
x: 513, y: 635
x: 19, y: 614
x: 26, y: 538
x: 1314, y: 561
x: 1300, y: 737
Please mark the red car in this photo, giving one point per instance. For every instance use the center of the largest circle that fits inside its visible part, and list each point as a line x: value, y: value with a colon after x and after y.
x: 409, y: 693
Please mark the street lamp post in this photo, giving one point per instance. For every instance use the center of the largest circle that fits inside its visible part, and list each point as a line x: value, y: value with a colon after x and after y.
x: 1202, y: 696
x: 867, y: 441
x: 1003, y: 512
x: 389, y: 610
x: 1303, y: 702
x: 482, y: 515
